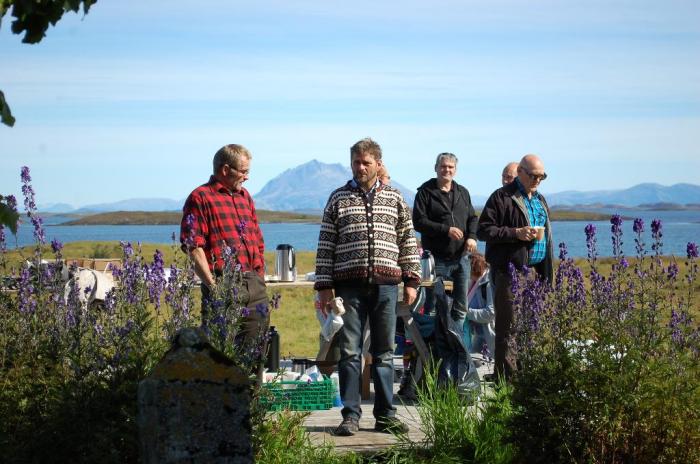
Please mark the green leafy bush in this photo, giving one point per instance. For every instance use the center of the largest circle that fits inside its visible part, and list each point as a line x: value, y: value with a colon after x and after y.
x: 69, y: 369
x: 609, y: 371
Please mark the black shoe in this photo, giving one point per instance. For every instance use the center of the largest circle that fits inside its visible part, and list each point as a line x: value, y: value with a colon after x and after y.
x: 347, y: 428
x: 408, y: 394
x: 390, y: 425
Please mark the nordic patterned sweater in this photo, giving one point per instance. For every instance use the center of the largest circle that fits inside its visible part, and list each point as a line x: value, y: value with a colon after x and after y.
x: 367, y: 240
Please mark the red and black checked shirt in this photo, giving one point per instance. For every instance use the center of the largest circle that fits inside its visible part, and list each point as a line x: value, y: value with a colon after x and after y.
x: 220, y: 217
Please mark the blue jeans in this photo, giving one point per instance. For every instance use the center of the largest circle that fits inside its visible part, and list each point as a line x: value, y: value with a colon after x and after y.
x: 458, y: 271
x: 376, y: 303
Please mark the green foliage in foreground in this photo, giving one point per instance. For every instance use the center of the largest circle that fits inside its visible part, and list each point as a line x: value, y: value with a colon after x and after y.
x: 458, y: 429
x: 282, y: 439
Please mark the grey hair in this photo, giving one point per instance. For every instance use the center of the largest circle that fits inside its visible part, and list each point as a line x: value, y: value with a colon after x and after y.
x: 446, y: 155
x: 230, y: 154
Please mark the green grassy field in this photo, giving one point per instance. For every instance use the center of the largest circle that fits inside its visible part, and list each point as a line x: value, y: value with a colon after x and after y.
x: 296, y: 319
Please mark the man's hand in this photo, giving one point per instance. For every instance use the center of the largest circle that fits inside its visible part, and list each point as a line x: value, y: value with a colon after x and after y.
x: 201, y: 268
x: 325, y: 297
x: 409, y: 295
x: 470, y: 245
x: 526, y: 234
x: 455, y: 233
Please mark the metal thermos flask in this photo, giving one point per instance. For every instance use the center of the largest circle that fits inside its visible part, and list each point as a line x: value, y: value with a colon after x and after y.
x: 273, y: 352
x: 285, y: 263
x: 427, y: 266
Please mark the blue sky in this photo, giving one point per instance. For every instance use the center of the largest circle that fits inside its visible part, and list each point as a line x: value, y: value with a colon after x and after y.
x: 133, y: 99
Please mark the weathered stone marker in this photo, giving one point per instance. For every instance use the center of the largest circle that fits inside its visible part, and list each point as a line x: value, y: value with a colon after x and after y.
x: 195, y: 406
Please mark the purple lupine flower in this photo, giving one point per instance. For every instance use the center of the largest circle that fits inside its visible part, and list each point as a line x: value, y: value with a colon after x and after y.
x: 171, y: 287
x: 245, y: 312
x: 110, y: 301
x: 656, y: 234
x: 130, y: 275
x: 26, y: 294
x: 691, y: 250
x: 275, y: 301
x: 189, y: 241
x: 56, y: 246
x: 127, y: 249
x: 125, y: 330
x: 616, y: 229
x: 562, y: 251
x: 672, y: 271
x: 155, y: 279
x: 262, y: 309
x: 591, y: 241
x: 638, y: 226
x: 679, y: 323
x: 241, y: 226
x: 11, y: 202
x: 39, y: 235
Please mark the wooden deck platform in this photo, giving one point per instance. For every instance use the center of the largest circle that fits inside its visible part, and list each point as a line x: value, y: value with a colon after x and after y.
x: 320, y: 424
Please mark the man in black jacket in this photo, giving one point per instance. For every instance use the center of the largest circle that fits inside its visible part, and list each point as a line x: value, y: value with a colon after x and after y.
x: 444, y: 216
x: 509, y: 225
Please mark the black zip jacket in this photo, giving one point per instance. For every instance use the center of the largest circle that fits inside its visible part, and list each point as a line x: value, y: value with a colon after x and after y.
x: 433, y: 217
x: 505, y: 211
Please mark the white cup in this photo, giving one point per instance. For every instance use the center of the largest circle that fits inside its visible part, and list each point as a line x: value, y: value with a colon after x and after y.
x: 540, y: 232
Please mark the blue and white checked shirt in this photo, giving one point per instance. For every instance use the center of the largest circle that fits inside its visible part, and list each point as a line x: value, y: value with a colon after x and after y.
x: 538, y: 217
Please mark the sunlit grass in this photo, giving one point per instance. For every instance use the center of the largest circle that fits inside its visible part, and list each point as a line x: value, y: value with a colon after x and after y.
x: 296, y: 318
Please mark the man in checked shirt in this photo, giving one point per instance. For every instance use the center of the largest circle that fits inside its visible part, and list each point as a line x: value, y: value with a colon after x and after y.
x: 221, y: 213
x: 515, y: 226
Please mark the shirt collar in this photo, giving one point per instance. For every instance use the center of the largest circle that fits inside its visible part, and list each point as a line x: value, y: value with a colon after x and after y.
x: 219, y: 187
x: 354, y: 184
x: 535, y: 194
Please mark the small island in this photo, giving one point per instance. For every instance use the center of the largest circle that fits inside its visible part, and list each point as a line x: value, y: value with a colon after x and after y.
x: 155, y: 218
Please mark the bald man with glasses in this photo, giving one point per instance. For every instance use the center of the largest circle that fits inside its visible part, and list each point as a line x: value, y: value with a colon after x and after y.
x: 516, y: 228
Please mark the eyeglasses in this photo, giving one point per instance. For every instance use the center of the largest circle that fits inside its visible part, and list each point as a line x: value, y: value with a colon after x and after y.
x: 534, y: 177
x: 239, y: 171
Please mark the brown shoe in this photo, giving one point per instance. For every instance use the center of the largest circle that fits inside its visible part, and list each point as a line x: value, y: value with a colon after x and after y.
x: 347, y: 428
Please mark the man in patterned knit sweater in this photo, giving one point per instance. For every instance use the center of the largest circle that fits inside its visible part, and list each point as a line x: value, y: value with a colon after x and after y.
x: 366, y: 247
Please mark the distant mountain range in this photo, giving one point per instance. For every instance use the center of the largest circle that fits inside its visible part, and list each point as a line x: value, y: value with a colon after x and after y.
x: 641, y: 194
x: 305, y: 188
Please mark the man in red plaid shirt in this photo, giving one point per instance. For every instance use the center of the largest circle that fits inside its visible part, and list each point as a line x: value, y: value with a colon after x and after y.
x: 220, y: 216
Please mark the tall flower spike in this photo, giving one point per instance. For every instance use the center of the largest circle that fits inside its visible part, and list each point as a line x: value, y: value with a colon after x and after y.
x: 591, y: 242
x: 657, y: 234
x: 616, y: 229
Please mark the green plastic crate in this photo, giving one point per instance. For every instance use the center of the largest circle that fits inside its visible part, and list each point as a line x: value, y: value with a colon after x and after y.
x: 296, y: 395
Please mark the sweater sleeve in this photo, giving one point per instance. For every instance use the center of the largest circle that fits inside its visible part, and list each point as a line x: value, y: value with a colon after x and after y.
x: 408, y: 261
x: 325, y: 251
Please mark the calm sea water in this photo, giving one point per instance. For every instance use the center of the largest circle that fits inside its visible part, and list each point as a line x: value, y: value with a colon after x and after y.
x: 679, y: 228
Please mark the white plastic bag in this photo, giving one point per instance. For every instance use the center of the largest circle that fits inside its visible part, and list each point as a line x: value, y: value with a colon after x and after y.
x: 331, y: 324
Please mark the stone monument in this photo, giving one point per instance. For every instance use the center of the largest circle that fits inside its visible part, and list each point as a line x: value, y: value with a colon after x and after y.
x: 195, y: 406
